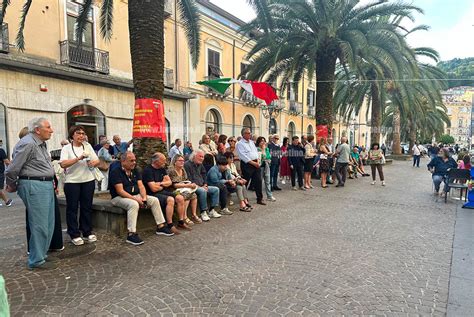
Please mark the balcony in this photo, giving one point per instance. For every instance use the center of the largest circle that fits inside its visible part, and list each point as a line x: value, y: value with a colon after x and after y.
x: 213, y: 94
x: 168, y: 8
x: 84, y: 57
x: 4, y: 41
x: 312, y: 112
x: 168, y: 78
x: 296, y: 107
x: 250, y: 100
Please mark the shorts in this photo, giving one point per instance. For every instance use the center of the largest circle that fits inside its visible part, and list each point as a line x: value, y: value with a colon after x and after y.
x: 163, y: 197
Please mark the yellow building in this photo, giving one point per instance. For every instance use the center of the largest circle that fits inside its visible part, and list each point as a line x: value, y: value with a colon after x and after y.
x: 459, y: 101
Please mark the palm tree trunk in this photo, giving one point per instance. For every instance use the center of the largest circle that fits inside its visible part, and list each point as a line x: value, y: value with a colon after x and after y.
x: 325, y: 74
x: 396, y: 148
x: 146, y: 28
x: 376, y: 119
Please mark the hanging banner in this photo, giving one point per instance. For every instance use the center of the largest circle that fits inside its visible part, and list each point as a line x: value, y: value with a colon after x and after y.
x: 149, y: 119
x: 322, y: 131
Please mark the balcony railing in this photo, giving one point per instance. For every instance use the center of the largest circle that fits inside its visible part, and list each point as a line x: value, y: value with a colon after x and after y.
x: 4, y: 41
x: 250, y: 99
x: 311, y: 111
x: 84, y: 57
x: 169, y: 78
x: 168, y: 8
x: 295, y: 107
x: 211, y: 93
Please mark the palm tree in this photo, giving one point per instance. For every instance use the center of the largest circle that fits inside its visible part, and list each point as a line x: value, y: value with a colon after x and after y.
x: 146, y: 29
x: 301, y: 36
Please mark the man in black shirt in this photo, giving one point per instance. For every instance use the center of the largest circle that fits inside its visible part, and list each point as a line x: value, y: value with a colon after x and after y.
x: 128, y: 192
x: 296, y: 161
x: 157, y: 183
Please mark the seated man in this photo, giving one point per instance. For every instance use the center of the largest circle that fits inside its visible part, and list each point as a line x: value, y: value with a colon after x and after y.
x: 439, y: 167
x: 216, y: 177
x: 197, y: 175
x: 157, y: 182
x: 128, y: 192
x: 355, y: 163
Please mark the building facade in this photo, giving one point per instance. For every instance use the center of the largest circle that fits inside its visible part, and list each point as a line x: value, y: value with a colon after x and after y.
x: 459, y: 102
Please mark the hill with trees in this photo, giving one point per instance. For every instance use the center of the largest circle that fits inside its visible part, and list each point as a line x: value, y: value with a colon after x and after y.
x: 460, y: 71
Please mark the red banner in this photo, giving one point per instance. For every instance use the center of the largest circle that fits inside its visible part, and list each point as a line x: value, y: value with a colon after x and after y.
x: 322, y: 131
x: 149, y: 119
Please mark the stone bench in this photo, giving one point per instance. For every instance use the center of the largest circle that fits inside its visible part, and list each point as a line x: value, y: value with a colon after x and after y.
x: 109, y: 218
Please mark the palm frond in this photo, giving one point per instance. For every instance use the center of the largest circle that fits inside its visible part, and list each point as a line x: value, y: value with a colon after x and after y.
x: 190, y: 19
x: 3, y: 10
x: 20, y: 39
x: 106, y: 19
x: 82, y: 20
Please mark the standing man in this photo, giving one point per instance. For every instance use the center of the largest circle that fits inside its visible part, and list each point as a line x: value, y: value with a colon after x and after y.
x: 175, y: 149
x: 4, y: 161
x: 343, y: 153
x: 248, y: 155
x: 119, y: 146
x: 296, y: 161
x: 275, y: 153
x: 31, y: 173
x: 416, y: 155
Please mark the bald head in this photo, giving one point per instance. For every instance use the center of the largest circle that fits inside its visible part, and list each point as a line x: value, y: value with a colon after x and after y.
x: 158, y: 160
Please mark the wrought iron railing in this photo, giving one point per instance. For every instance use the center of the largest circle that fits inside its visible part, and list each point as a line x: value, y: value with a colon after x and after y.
x: 169, y: 78
x: 84, y: 57
x: 4, y: 40
x: 250, y: 99
x: 311, y: 111
x: 296, y: 107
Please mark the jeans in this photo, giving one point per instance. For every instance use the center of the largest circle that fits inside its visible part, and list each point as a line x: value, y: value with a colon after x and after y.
x: 437, y: 180
x: 266, y: 180
x: 274, y: 168
x: 416, y: 160
x: 253, y: 175
x: 213, y: 193
x: 132, y: 207
x: 297, y: 170
x: 79, y: 194
x: 38, y: 197
x: 341, y: 172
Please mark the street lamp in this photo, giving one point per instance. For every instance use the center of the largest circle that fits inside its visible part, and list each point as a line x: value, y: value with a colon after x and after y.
x: 272, y: 111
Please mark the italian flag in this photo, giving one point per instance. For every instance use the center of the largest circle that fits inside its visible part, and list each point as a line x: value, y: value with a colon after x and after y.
x: 259, y: 89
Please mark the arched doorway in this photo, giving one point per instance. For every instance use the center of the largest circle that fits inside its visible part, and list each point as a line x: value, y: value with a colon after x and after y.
x: 3, y: 128
x: 272, y: 126
x: 309, y: 130
x: 249, y: 122
x: 291, y: 130
x: 92, y: 119
x: 213, y: 122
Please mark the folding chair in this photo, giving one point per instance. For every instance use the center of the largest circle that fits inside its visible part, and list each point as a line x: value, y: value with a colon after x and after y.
x: 461, y: 175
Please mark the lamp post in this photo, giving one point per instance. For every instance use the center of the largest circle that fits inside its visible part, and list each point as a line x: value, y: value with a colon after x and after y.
x: 272, y: 111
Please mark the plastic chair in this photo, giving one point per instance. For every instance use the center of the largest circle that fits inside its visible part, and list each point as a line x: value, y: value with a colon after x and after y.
x: 460, y: 175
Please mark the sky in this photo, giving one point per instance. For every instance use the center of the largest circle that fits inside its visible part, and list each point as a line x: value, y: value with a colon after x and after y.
x: 451, y: 24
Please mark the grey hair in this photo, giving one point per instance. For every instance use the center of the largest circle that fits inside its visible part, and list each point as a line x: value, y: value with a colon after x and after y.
x: 36, y: 123
x: 243, y: 131
x: 155, y: 157
x: 125, y: 155
x: 192, y: 155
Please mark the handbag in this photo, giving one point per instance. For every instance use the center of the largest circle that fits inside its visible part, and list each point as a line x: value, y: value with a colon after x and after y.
x: 103, y: 165
x: 97, y: 174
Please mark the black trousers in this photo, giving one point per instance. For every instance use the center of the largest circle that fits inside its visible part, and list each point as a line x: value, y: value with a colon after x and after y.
x: 223, y: 195
x: 297, y: 170
x: 341, y: 172
x: 79, y: 194
x: 57, y: 240
x: 253, y: 175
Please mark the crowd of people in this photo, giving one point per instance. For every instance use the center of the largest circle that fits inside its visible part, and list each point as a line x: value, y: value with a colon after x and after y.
x: 189, y: 185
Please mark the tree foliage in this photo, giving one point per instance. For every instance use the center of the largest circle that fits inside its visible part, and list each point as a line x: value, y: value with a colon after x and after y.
x: 446, y: 139
x: 460, y: 71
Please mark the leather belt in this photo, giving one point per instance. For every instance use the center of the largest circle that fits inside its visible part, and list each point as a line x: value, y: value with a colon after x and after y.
x: 37, y: 178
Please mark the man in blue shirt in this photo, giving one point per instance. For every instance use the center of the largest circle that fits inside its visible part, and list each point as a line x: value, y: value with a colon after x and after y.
x: 119, y: 146
x: 439, y: 167
x: 217, y: 177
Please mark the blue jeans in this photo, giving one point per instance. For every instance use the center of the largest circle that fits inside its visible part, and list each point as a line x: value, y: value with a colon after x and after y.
x: 38, y: 197
x: 437, y: 180
x: 416, y: 160
x: 274, y: 168
x: 213, y: 193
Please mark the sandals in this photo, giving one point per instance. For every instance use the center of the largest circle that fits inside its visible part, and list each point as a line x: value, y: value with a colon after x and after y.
x: 188, y: 221
x: 196, y: 219
x: 246, y: 209
x: 249, y: 206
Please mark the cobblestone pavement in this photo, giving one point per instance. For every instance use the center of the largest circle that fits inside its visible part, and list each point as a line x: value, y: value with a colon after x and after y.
x: 357, y: 250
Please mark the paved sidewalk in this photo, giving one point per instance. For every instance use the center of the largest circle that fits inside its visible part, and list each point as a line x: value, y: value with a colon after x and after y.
x: 357, y: 250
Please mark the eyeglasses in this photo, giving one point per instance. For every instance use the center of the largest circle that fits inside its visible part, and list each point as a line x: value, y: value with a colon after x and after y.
x: 231, y: 140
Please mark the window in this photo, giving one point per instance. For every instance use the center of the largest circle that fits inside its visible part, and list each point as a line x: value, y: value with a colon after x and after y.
x: 212, y: 122
x: 291, y: 130
x: 73, y: 9
x: 460, y: 122
x: 310, y: 130
x: 272, y: 126
x: 311, y: 98
x: 292, y: 91
x: 249, y: 123
x: 213, y: 64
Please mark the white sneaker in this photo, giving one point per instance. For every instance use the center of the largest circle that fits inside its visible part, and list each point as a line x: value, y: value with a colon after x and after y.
x: 77, y: 241
x: 214, y: 214
x: 383, y: 183
x: 226, y: 212
x: 90, y: 239
x: 271, y: 199
x: 283, y: 182
x: 205, y: 216
x: 373, y: 183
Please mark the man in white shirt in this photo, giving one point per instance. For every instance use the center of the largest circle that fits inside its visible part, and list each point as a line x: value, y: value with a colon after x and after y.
x: 416, y: 155
x: 249, y: 165
x: 175, y: 149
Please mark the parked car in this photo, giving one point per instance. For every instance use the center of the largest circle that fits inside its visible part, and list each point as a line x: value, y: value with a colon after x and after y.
x: 405, y: 148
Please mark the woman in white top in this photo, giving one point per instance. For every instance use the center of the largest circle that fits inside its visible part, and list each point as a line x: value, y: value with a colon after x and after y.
x: 207, y: 146
x: 79, y: 160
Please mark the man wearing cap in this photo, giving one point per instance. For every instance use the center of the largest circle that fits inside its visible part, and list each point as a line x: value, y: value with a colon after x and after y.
x: 31, y: 173
x: 275, y: 152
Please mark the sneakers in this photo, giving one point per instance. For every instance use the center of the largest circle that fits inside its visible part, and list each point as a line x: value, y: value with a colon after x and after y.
x: 271, y: 198
x: 373, y: 183
x: 54, y: 250
x: 134, y: 239
x: 214, y: 214
x: 226, y: 212
x: 77, y: 241
x: 90, y: 238
x: 164, y: 231
x: 294, y: 188
x: 383, y: 183
x: 302, y: 188
x: 205, y: 216
x: 9, y: 202
x: 283, y: 182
